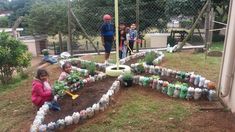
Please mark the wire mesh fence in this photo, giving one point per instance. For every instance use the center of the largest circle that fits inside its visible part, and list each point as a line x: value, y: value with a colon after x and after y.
x: 159, y: 22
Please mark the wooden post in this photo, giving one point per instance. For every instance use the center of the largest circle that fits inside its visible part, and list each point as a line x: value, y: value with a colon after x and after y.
x: 207, y: 28
x: 69, y: 44
x: 193, y: 27
x: 97, y: 45
x: 137, y: 21
x: 86, y: 45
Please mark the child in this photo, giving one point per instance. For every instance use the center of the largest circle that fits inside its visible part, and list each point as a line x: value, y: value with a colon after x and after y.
x: 132, y: 36
x: 107, y: 35
x: 40, y: 92
x: 122, y: 41
x: 67, y: 68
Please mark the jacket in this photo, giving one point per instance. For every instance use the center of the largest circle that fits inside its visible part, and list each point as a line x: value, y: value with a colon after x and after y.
x: 39, y: 93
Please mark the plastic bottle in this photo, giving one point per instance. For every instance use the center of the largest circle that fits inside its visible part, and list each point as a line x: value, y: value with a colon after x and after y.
x: 197, y: 80
x: 177, y: 91
x: 171, y: 89
x: 159, y: 85
x: 201, y: 82
x: 165, y: 87
x: 212, y: 95
x: 68, y: 120
x: 198, y: 93
x: 192, y: 78
x: 76, y: 117
x: 183, y: 92
x: 190, y: 93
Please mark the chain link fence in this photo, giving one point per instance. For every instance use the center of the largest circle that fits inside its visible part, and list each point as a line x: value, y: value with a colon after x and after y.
x: 160, y: 22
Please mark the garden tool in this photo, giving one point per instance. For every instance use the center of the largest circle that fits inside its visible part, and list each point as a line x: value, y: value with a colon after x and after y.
x: 74, y: 96
x: 130, y: 49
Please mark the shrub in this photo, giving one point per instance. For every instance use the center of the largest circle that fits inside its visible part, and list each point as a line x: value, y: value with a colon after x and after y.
x: 218, y: 38
x: 83, y: 65
x: 60, y: 87
x: 186, y: 23
x: 13, y: 55
x: 91, y: 68
x: 73, y: 77
x: 140, y: 68
x: 127, y: 76
x: 150, y: 56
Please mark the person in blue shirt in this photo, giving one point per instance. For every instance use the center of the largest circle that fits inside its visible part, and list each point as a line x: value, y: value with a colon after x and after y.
x: 107, y: 35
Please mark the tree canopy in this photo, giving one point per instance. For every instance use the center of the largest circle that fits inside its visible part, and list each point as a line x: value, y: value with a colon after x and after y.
x: 13, y: 55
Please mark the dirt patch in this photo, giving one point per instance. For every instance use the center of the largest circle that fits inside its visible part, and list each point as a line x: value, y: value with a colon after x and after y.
x: 133, y: 61
x: 215, y: 53
x: 88, y: 95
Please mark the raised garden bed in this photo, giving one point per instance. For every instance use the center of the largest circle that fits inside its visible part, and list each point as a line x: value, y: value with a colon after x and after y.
x: 94, y: 97
x: 88, y: 96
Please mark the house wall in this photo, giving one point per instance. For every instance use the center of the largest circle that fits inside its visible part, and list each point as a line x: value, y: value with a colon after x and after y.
x: 227, y: 78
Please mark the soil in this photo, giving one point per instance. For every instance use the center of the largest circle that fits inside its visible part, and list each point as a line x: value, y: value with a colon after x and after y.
x: 215, y: 53
x: 90, y: 94
x: 133, y: 61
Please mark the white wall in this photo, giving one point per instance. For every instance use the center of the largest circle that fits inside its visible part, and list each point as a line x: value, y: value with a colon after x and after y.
x: 227, y: 78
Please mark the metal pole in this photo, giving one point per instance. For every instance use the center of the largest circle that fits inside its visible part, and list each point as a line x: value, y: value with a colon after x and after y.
x: 69, y: 45
x: 116, y: 35
x: 137, y: 21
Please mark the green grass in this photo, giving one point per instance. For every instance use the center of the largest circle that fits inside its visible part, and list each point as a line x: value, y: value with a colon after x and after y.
x: 217, y: 46
x: 209, y: 67
x: 140, y: 112
x: 13, y: 84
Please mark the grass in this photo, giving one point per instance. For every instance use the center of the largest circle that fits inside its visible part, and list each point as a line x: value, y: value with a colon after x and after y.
x: 217, y: 46
x: 140, y: 112
x: 18, y: 80
x: 209, y: 67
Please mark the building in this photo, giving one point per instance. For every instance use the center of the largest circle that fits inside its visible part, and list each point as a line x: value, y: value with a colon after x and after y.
x: 227, y: 77
x: 35, y: 44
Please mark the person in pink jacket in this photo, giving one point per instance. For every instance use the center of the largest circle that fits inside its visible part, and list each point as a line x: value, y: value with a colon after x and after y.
x: 41, y: 92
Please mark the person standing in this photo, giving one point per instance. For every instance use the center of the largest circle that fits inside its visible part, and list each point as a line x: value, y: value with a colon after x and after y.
x: 107, y: 36
x: 132, y: 37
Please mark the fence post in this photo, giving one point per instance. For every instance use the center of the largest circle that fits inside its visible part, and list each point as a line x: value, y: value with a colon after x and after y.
x: 97, y: 45
x: 86, y: 45
x: 54, y: 48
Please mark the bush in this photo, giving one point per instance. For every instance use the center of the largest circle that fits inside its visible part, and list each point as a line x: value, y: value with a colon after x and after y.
x: 186, y: 23
x: 13, y: 56
x: 91, y: 68
x: 150, y: 56
x: 127, y: 76
x: 218, y: 38
x: 140, y: 68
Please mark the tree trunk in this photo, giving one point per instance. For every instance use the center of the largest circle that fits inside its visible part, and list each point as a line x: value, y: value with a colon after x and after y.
x: 193, y: 27
x: 61, y: 42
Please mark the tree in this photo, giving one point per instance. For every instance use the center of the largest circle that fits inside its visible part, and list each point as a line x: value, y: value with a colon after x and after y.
x: 221, y: 12
x: 47, y: 17
x: 19, y: 8
x: 90, y: 13
x: 3, y: 22
x: 13, y: 56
